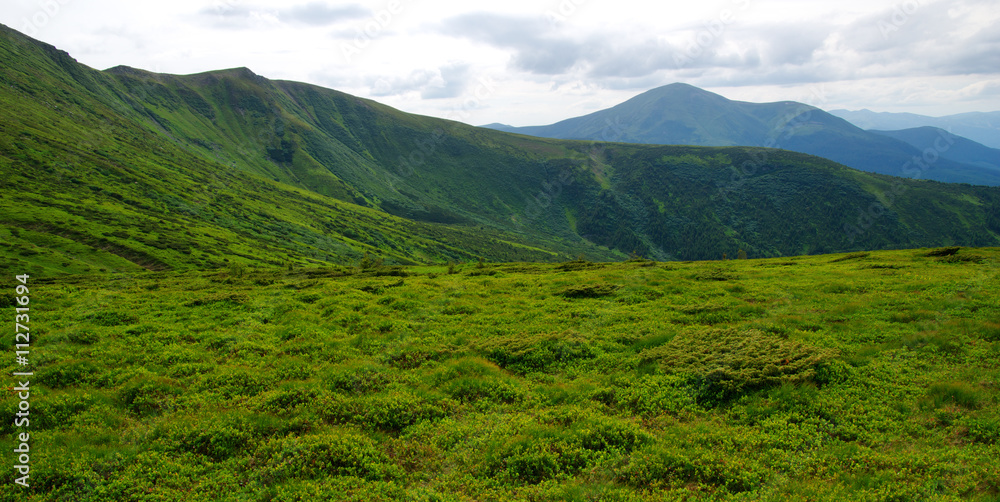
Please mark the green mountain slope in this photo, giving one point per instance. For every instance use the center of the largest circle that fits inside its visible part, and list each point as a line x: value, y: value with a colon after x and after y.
x: 94, y: 177
x: 681, y: 114
x: 125, y: 169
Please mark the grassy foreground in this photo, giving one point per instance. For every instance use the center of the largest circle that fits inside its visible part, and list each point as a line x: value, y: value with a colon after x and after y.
x: 865, y: 376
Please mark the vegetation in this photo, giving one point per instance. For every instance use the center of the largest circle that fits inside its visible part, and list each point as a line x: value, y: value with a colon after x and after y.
x: 862, y: 377
x: 253, y: 290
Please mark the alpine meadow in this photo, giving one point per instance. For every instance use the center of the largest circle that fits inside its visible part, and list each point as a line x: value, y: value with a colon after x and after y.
x: 248, y: 289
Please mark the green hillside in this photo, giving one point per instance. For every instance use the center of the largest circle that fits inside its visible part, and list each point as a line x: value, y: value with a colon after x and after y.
x: 864, y: 376
x: 125, y: 169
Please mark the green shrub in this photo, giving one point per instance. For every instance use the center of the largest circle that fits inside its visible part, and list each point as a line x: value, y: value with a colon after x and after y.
x: 217, y: 436
x: 673, y: 466
x: 112, y: 318
x: 491, y: 389
x: 589, y: 291
x: 539, y: 352
x: 725, y: 363
x: 850, y: 256
x: 68, y: 373
x: 949, y: 251
x: 60, y: 410
x: 542, y: 452
x: 956, y: 393
x: 651, y: 396
x: 985, y: 429
x: 715, y: 274
x: 472, y: 379
x: 7, y: 300
x: 320, y: 455
x: 148, y: 394
x: 234, y: 381
x: 361, y: 379
x: 990, y: 331
x: 83, y: 337
x: 286, y: 398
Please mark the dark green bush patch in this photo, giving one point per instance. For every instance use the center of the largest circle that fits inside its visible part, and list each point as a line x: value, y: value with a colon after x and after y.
x: 235, y: 381
x: 68, y: 373
x: 955, y: 393
x: 83, y: 337
x: 336, y: 452
x: 359, y: 379
x: 148, y: 394
x: 725, y: 363
x: 386, y: 411
x: 112, y: 318
x: 543, y: 452
x: 983, y: 429
x: 538, y: 352
x: 7, y: 300
x: 665, y: 466
x: 714, y: 274
x: 217, y: 436
x: 850, y: 256
x: 948, y: 251
x: 589, y: 291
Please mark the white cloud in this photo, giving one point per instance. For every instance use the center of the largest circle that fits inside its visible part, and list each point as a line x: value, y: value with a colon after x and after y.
x: 555, y: 59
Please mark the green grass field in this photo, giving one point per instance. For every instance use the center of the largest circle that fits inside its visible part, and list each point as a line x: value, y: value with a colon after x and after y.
x: 864, y: 376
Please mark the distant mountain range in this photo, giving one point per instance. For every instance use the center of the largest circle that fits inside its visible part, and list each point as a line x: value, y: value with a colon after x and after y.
x: 952, y: 147
x: 680, y: 114
x: 981, y: 127
x: 126, y: 169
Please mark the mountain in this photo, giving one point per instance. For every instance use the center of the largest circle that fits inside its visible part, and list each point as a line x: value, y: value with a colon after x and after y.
x: 981, y: 127
x: 952, y: 147
x: 681, y: 114
x: 124, y: 170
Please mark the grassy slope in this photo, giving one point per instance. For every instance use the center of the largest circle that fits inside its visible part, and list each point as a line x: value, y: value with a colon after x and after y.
x: 92, y: 181
x: 836, y: 377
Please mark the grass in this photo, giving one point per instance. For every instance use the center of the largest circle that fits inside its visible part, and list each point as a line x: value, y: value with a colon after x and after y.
x: 520, y: 382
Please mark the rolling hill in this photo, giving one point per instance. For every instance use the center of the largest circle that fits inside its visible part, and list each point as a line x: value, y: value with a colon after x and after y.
x: 681, y: 114
x: 128, y: 170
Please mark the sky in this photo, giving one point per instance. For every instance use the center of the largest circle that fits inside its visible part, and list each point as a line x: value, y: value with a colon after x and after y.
x: 536, y: 62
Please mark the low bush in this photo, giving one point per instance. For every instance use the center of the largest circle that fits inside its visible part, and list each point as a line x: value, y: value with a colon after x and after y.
x: 320, y: 455
x: 726, y: 363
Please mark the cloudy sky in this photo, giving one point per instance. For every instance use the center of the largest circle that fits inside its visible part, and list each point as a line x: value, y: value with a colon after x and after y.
x: 539, y: 61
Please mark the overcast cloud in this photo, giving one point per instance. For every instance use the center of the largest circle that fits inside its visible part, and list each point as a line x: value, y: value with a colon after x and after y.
x: 528, y: 62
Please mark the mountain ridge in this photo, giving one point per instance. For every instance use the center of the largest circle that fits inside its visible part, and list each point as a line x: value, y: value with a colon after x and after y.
x: 981, y: 127
x: 682, y: 114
